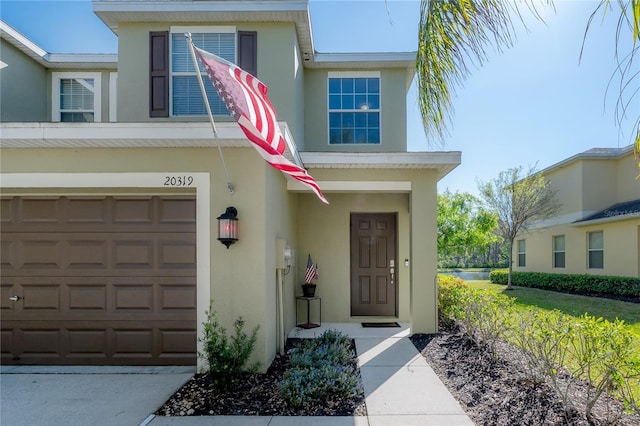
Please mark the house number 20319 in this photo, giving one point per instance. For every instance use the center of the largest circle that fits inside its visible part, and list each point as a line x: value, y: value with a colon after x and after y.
x: 178, y: 180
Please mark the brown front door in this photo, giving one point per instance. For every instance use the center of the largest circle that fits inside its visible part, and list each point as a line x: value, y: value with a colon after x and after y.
x: 373, y: 257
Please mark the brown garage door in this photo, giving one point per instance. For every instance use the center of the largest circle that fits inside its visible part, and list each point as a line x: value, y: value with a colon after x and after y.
x: 98, y: 280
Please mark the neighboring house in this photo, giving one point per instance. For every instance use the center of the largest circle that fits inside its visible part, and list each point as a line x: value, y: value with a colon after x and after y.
x: 597, y: 230
x: 112, y: 182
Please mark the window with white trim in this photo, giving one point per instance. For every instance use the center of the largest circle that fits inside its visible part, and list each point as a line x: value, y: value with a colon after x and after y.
x: 522, y: 253
x: 354, y: 108
x: 595, y: 250
x: 558, y: 251
x: 76, y: 97
x: 186, y: 96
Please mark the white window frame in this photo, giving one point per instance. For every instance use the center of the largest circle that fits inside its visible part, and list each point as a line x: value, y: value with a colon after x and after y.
x: 227, y: 29
x: 563, y: 251
x: 523, y: 252
x: 589, y: 250
x: 113, y: 97
x: 55, y: 93
x: 353, y: 74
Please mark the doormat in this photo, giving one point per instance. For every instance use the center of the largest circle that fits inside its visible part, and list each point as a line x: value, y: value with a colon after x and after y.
x: 380, y: 324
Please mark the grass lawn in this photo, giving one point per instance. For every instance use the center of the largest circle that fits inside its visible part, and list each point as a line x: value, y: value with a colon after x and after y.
x: 570, y: 304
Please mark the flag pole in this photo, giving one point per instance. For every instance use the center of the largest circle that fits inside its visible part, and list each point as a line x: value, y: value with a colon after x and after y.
x: 206, y: 105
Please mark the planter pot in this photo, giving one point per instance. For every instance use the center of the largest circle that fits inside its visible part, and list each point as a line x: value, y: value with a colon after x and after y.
x: 308, y: 290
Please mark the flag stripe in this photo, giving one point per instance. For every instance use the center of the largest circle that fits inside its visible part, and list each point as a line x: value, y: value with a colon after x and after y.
x: 246, y: 98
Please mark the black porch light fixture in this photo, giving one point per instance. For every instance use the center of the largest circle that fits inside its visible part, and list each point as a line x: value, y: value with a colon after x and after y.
x: 228, y: 227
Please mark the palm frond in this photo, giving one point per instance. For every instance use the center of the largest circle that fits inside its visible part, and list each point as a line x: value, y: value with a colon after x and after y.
x: 453, y: 35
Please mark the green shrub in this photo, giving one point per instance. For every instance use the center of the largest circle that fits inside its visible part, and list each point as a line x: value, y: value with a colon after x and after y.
x: 226, y: 356
x: 322, y: 369
x: 449, y: 293
x: 600, y: 285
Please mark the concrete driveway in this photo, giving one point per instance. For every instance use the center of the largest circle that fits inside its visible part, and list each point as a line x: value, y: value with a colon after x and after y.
x: 70, y: 396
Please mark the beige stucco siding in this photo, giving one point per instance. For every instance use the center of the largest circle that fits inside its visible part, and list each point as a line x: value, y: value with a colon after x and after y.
x: 23, y: 87
x: 393, y: 113
x: 621, y: 253
x: 323, y: 231
x: 276, y: 68
x: 628, y: 185
x: 568, y: 183
x: 599, y: 178
x: 242, y: 276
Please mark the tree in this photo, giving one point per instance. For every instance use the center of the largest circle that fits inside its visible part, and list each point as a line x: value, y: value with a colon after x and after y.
x: 464, y: 225
x: 519, y: 201
x: 453, y: 34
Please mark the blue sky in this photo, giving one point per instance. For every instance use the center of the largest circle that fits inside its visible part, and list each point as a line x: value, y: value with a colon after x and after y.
x: 532, y: 104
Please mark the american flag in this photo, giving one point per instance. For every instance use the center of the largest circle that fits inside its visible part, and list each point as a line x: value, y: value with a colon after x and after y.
x: 246, y: 99
x: 312, y: 271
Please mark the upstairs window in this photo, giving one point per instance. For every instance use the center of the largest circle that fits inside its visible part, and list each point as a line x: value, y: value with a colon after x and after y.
x: 558, y: 251
x: 522, y: 253
x: 354, y: 108
x: 186, y: 96
x: 595, y: 250
x: 76, y: 97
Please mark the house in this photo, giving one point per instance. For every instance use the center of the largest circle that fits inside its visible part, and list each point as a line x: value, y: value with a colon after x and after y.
x: 112, y: 184
x: 597, y: 230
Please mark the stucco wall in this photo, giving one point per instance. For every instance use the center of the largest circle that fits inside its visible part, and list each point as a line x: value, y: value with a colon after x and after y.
x: 393, y: 113
x: 23, y: 87
x: 276, y: 44
x: 242, y: 275
x: 323, y: 231
x: 627, y: 184
x: 621, y: 252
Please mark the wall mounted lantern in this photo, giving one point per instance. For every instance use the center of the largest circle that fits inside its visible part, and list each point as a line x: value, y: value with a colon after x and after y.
x: 228, y: 227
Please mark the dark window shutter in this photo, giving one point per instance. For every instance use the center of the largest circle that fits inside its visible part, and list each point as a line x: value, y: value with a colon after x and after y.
x: 159, y: 74
x: 248, y: 51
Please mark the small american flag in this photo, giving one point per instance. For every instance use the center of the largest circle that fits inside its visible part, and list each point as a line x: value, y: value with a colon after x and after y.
x: 246, y: 99
x: 312, y: 271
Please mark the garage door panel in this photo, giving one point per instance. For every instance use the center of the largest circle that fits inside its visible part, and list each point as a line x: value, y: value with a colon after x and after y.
x: 40, y: 210
x: 82, y: 211
x: 40, y: 254
x: 41, y: 297
x: 101, y: 280
x: 86, y: 297
x: 174, y: 297
x: 88, y: 254
x: 105, y: 254
x: 129, y: 253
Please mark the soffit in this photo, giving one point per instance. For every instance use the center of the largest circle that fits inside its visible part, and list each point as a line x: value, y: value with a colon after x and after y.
x: 130, y: 135
x: 441, y: 161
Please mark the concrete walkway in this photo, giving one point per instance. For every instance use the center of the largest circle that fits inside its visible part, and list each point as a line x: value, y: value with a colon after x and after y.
x: 400, y: 389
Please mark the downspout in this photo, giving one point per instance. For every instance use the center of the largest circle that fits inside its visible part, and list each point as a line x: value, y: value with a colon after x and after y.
x: 280, y: 309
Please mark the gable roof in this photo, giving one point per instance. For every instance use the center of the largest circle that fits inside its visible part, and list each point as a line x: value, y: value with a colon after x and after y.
x: 85, y: 61
x: 115, y: 12
x: 591, y: 154
x: 616, y: 212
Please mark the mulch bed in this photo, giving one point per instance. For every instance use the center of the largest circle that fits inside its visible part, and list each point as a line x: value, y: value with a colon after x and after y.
x: 496, y: 391
x: 254, y: 395
x: 492, y: 391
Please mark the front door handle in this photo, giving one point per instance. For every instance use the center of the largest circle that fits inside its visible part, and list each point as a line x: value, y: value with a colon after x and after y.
x: 14, y: 298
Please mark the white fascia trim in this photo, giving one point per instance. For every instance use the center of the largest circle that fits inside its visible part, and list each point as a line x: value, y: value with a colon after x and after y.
x: 35, y: 51
x: 382, y: 159
x: 564, y: 219
x: 352, y: 186
x: 201, y: 184
x: 124, y: 6
x: 73, y: 58
x: 381, y: 57
x: 604, y: 220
